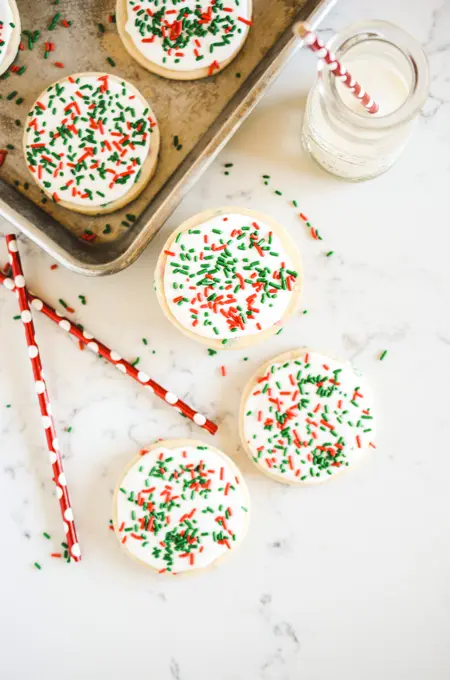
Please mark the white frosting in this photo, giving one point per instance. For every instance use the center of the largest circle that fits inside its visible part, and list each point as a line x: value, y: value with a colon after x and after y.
x: 99, y: 127
x: 299, y: 406
x: 178, y: 50
x: 248, y: 285
x: 169, y: 492
x: 7, y: 28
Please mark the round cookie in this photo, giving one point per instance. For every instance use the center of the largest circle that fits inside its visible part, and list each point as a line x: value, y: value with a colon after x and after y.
x: 187, y: 42
x: 306, y: 417
x: 180, y: 506
x: 91, y: 142
x: 9, y: 33
x: 229, y: 278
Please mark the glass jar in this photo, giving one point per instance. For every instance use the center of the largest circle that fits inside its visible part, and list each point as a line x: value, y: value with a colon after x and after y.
x: 338, y: 132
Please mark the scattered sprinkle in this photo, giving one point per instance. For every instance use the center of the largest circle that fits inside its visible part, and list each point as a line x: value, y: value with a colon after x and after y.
x: 37, y: 565
x: 64, y: 304
x: 383, y: 354
x: 82, y: 299
x: 46, y: 535
x: 212, y: 352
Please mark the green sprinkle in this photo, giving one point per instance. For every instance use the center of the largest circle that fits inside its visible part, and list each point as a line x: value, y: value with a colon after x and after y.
x: 145, y: 341
x: 110, y: 61
x: 54, y: 21
x: 278, y: 193
x: 101, y: 28
x: 383, y: 354
x: 82, y: 298
x: 136, y: 361
x: 107, y: 229
x: 37, y: 565
x: 330, y: 252
x: 46, y: 535
x: 211, y: 352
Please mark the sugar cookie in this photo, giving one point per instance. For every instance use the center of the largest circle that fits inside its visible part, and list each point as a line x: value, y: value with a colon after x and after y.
x: 229, y: 277
x: 91, y: 142
x: 306, y: 417
x: 183, y: 42
x: 180, y: 506
x: 9, y: 33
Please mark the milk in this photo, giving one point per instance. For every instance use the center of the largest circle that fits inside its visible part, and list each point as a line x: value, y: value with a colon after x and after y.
x: 338, y: 132
x: 380, y: 79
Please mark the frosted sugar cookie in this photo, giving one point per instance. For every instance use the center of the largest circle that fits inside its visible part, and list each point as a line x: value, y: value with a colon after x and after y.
x: 306, y: 417
x: 229, y: 277
x: 91, y: 142
x: 180, y: 506
x: 9, y: 33
x: 183, y: 40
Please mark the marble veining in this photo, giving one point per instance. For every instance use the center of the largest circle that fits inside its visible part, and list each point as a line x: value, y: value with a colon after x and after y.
x: 344, y: 580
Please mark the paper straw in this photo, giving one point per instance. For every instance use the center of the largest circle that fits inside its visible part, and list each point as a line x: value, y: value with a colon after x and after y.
x: 114, y: 358
x: 59, y: 477
x: 314, y: 43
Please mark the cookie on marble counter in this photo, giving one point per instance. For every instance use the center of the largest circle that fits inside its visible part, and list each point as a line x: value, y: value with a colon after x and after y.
x: 181, y: 506
x: 306, y: 417
x: 229, y: 277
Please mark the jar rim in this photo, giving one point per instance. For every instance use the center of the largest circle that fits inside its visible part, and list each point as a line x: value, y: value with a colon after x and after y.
x: 413, y: 53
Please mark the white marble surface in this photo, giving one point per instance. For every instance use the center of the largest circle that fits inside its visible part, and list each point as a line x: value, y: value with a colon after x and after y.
x: 348, y: 580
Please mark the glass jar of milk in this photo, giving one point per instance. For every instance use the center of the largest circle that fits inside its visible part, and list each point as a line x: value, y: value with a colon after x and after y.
x: 338, y: 132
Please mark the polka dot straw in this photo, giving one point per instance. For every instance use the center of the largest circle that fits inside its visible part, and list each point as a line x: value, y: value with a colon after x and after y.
x: 314, y: 43
x: 43, y: 399
x: 113, y: 357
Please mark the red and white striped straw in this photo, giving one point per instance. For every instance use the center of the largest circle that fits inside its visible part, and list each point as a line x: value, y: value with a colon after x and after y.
x: 113, y: 357
x: 44, y: 403
x: 314, y: 43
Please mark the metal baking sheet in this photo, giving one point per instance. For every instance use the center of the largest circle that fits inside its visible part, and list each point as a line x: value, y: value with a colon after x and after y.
x: 203, y: 114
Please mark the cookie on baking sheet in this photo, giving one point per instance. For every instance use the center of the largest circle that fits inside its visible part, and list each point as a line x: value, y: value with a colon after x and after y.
x: 183, y: 41
x: 229, y: 277
x: 10, y: 31
x: 180, y: 506
x: 91, y: 142
x: 306, y: 417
